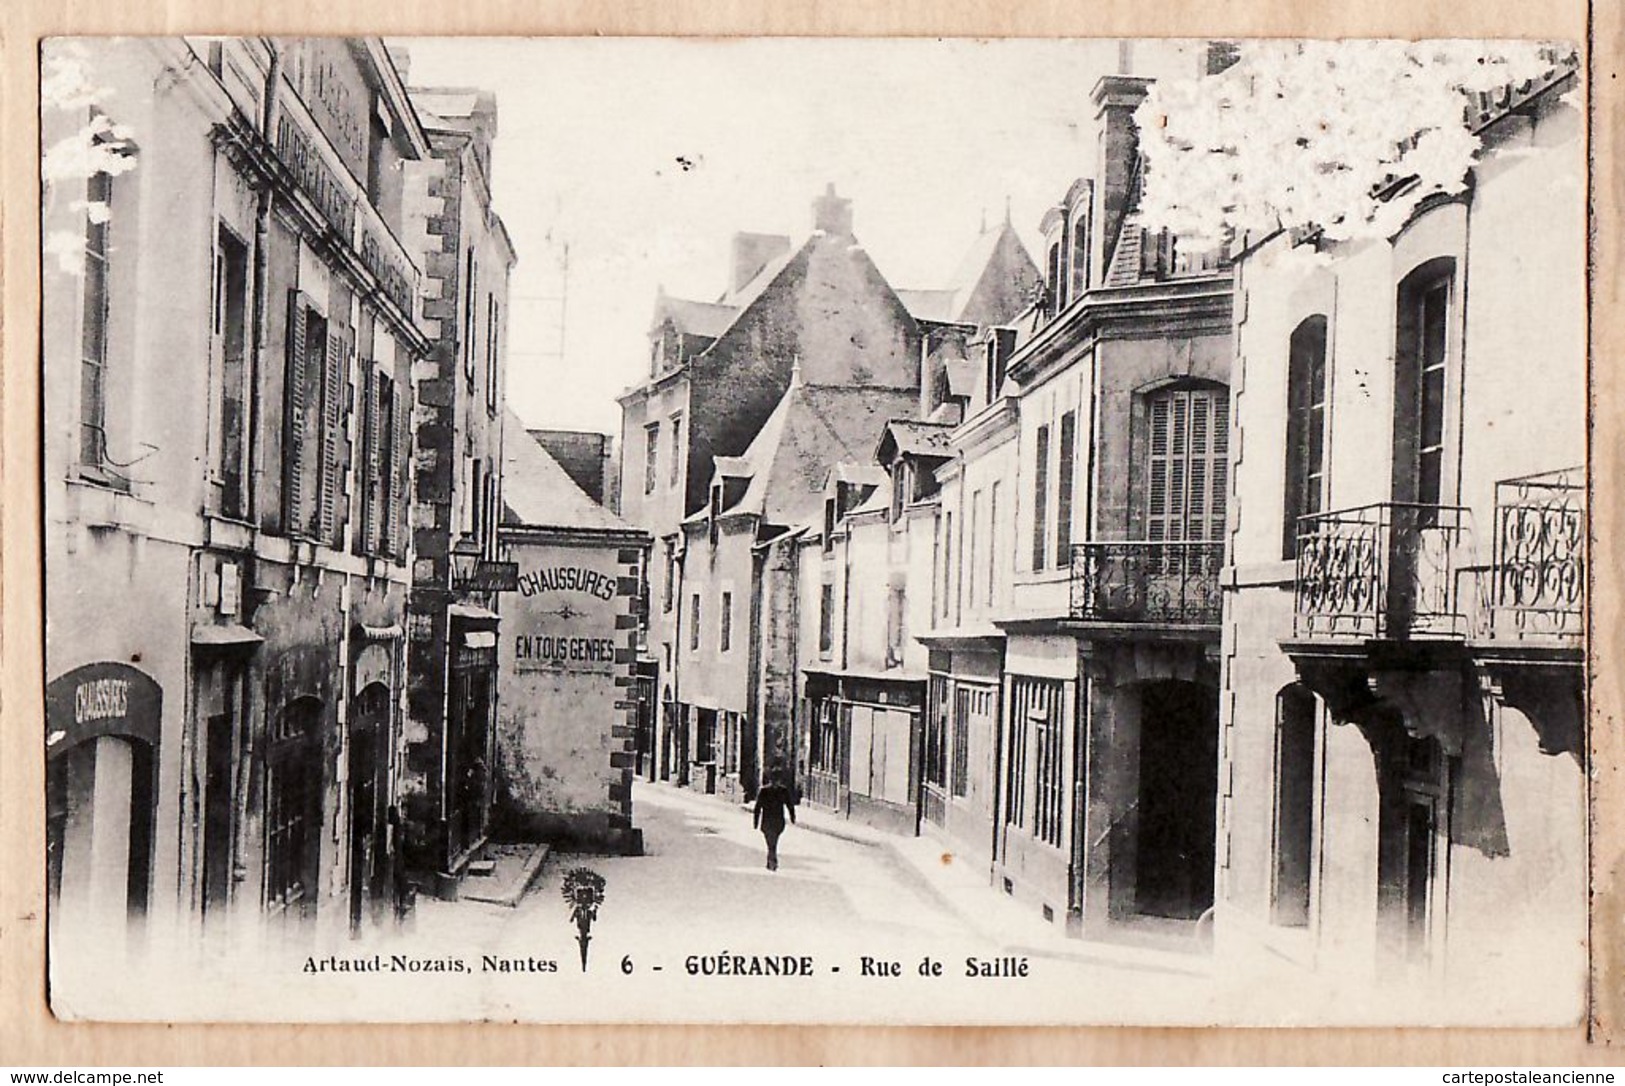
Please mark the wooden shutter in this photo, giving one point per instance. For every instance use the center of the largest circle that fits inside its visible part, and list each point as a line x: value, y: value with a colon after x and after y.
x: 1218, y: 502
x: 332, y: 437
x: 293, y: 419
x: 1156, y: 526
x: 1189, y: 465
x: 1040, y: 496
x: 371, y: 462
x: 1063, y: 491
x: 1201, y: 444
x: 400, y: 412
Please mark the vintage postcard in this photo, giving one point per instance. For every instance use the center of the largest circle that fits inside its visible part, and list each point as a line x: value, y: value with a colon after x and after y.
x: 1043, y: 532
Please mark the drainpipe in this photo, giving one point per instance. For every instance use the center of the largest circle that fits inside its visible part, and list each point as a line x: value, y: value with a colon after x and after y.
x: 262, y: 230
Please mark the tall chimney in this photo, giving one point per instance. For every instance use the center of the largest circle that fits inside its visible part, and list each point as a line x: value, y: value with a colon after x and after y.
x: 752, y: 253
x: 1115, y: 98
x: 832, y: 214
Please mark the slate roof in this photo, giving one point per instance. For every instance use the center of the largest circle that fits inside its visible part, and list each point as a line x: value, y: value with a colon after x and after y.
x: 538, y: 493
x: 741, y: 299
x: 707, y: 319
x: 949, y: 304
x: 963, y: 374
x: 928, y: 305
x: 813, y: 428
x: 879, y: 499
x: 912, y: 437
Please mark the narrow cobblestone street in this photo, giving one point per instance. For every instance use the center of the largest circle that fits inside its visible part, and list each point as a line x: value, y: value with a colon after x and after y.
x: 842, y: 894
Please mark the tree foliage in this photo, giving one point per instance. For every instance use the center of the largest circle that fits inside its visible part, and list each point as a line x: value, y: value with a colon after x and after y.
x: 1310, y: 135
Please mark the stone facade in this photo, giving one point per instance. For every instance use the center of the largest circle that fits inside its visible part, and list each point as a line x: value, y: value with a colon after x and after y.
x: 1405, y: 768
x: 456, y: 499
x: 226, y: 559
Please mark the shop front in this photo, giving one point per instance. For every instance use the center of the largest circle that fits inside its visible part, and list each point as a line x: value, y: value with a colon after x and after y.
x: 103, y: 726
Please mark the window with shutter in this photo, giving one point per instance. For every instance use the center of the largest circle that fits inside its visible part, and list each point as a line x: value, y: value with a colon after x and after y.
x: 329, y: 521
x: 293, y: 418
x: 372, y: 464
x: 470, y: 312
x: 1040, y: 496
x: 1188, y: 471
x: 397, y: 416
x: 1065, y: 476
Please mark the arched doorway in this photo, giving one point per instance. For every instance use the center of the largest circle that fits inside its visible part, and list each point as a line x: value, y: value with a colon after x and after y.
x: 102, y: 729
x: 1178, y: 782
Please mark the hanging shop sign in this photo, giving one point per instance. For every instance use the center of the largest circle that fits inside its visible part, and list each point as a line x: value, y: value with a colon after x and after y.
x: 489, y: 577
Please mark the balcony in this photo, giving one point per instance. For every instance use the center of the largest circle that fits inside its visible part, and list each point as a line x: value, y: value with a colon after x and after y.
x: 1163, y: 583
x: 1534, y: 590
x: 1381, y: 572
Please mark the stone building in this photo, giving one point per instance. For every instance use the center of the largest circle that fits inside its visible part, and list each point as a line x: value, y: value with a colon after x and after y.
x: 717, y: 371
x: 1073, y: 717
x: 1403, y: 738
x: 736, y: 721
x: 865, y: 567
x: 567, y: 722
x: 456, y: 499
x: 588, y: 459
x: 227, y: 462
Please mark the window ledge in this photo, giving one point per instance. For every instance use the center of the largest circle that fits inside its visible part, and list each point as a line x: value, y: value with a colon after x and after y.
x: 97, y: 502
x: 1282, y: 573
x: 1044, y: 576
x: 228, y: 533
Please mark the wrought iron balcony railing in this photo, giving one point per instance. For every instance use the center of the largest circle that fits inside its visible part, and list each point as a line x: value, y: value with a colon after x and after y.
x: 1381, y: 571
x: 1147, y: 581
x: 1535, y: 587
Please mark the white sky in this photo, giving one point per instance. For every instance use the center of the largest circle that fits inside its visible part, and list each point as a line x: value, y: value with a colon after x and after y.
x: 924, y: 136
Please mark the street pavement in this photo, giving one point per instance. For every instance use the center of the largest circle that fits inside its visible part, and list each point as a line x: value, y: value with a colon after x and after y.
x: 842, y: 892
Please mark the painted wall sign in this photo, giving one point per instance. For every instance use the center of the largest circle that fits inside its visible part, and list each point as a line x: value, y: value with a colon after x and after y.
x: 568, y: 579
x: 101, y: 699
x: 564, y: 618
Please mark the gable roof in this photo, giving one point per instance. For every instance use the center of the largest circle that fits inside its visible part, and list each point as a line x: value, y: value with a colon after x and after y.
x: 538, y: 493
x: 813, y: 428
x: 996, y: 253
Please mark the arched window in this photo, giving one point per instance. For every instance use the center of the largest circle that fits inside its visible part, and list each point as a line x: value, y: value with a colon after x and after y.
x: 1080, y: 253
x: 1056, y: 287
x: 1421, y: 360
x: 1296, y: 719
x: 1305, y: 429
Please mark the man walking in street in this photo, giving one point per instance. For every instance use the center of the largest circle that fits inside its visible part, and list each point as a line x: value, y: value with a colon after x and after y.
x: 772, y: 801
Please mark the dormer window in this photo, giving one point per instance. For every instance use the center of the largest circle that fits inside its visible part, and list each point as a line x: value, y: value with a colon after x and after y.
x: 829, y: 525
x: 1055, y: 298
x: 1080, y: 254
x: 715, y: 511
x: 1000, y: 345
x: 899, y: 487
